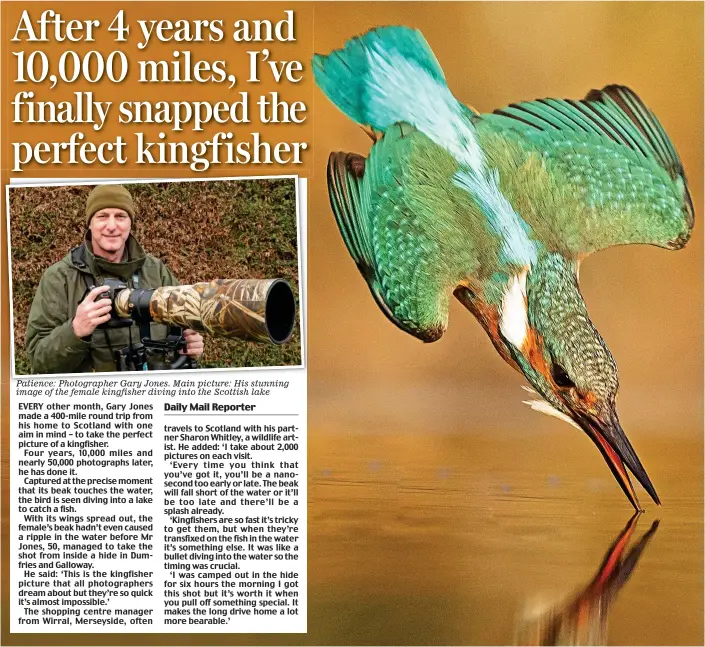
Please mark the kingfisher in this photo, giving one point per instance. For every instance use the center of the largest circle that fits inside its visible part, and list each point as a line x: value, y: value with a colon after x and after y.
x: 500, y: 210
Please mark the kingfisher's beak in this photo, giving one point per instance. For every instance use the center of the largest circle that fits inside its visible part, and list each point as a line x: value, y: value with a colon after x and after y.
x: 608, y: 435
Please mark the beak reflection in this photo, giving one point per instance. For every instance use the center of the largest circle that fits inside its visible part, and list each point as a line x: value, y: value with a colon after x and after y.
x: 583, y: 619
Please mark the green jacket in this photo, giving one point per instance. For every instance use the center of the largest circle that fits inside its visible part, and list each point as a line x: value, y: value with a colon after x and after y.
x: 51, y: 344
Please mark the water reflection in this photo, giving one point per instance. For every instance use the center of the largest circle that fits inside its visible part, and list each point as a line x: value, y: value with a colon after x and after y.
x: 582, y: 620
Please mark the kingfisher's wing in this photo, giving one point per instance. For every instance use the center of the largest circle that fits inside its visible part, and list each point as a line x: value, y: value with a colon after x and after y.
x: 414, y: 234
x: 613, y: 173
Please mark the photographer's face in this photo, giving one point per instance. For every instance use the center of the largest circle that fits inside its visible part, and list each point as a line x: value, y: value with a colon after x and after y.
x: 109, y: 229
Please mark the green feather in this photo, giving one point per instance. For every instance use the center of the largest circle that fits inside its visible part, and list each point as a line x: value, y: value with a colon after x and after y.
x: 601, y: 171
x: 414, y: 234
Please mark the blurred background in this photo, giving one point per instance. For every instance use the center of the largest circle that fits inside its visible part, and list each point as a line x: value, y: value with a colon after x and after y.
x: 443, y: 510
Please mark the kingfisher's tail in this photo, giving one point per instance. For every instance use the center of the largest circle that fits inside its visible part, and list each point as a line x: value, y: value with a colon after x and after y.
x: 383, y: 77
x: 390, y: 76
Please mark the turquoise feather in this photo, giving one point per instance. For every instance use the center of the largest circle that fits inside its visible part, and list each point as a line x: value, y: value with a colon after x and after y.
x: 347, y: 76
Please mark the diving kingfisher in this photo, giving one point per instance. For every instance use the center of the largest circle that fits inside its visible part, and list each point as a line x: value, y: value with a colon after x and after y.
x: 499, y: 210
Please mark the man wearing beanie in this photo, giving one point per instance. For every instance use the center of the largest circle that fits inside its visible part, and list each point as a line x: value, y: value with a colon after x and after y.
x: 62, y: 334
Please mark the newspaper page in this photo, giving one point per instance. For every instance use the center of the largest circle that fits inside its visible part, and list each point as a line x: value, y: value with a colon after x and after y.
x: 284, y: 287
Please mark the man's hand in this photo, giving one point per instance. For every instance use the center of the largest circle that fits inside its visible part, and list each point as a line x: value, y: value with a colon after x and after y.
x: 194, y: 344
x: 91, y: 312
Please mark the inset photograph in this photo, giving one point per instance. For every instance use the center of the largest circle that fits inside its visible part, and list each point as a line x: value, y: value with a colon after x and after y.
x: 154, y: 275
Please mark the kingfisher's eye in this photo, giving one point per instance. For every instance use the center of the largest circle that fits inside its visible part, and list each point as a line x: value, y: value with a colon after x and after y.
x: 560, y: 377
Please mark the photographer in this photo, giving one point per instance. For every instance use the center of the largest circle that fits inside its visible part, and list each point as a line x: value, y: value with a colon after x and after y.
x: 62, y: 331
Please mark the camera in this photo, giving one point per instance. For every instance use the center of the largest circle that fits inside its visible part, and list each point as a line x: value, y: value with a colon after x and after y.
x: 261, y: 310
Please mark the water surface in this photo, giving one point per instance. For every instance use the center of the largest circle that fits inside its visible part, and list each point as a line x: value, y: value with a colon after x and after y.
x: 450, y: 538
